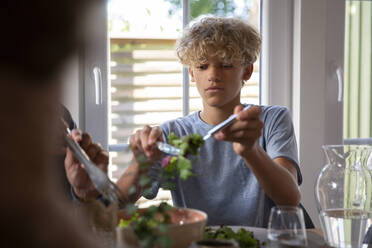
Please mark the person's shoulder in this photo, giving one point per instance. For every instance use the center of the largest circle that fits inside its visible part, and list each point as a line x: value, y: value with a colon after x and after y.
x: 272, y: 114
x: 185, y: 122
x: 274, y: 111
x: 271, y: 109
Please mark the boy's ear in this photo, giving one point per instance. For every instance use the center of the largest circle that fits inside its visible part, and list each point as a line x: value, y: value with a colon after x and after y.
x: 191, y: 72
x: 248, y: 72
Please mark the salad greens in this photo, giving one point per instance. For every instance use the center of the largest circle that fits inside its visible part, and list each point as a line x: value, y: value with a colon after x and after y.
x: 151, y: 224
x: 189, y: 145
x: 244, y: 238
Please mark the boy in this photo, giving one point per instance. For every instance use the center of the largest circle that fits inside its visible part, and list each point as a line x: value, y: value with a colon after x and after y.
x: 250, y: 165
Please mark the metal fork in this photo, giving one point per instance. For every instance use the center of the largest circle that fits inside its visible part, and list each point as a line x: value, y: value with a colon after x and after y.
x: 100, y: 180
x: 164, y: 147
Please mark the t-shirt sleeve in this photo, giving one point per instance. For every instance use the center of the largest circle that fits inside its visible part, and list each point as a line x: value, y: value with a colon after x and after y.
x: 280, y: 137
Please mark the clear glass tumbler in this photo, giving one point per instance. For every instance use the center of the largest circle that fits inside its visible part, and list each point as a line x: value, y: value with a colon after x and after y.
x: 287, y: 227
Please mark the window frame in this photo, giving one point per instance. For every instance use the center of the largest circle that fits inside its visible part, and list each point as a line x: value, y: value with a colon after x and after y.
x: 185, y: 71
x: 94, y: 95
x: 276, y: 53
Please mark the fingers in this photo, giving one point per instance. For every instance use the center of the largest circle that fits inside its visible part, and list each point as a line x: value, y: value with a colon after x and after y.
x: 76, y: 135
x: 86, y: 141
x: 98, y: 155
x: 155, y: 135
x: 242, y: 130
x: 102, y: 160
x: 248, y: 126
x: 144, y: 141
x: 243, y: 136
x: 238, y: 109
x: 134, y: 141
x: 83, y: 139
x: 70, y: 159
x: 251, y: 113
x: 145, y: 138
x: 94, y: 150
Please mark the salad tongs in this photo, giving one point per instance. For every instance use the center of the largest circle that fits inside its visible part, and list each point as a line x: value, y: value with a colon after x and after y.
x: 100, y: 180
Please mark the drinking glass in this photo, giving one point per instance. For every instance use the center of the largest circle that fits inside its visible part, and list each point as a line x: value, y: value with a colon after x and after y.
x: 286, y: 227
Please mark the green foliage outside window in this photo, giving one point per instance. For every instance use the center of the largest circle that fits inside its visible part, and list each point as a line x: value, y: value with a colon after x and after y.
x: 201, y: 7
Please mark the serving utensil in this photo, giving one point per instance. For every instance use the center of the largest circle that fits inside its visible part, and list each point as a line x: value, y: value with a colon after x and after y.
x: 172, y: 150
x: 100, y: 180
x: 164, y: 147
x: 221, y: 125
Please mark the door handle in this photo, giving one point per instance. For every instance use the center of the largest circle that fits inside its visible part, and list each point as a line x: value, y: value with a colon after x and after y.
x: 97, y: 75
x: 340, y: 84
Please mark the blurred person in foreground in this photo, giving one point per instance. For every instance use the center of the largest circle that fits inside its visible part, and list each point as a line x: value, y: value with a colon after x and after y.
x: 37, y: 39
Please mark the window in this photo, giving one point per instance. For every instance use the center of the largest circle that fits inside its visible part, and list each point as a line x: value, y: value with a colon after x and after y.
x: 358, y: 70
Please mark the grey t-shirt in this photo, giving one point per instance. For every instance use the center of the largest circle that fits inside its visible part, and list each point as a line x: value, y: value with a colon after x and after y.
x: 224, y: 187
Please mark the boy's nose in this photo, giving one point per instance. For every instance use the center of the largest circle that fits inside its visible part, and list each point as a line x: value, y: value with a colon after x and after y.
x: 213, y: 74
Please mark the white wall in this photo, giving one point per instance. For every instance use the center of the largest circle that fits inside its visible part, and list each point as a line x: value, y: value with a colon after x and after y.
x: 318, y: 50
x: 303, y: 43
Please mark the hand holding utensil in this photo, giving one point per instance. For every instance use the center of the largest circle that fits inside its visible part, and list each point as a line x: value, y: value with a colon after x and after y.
x: 100, y: 180
x: 225, y: 123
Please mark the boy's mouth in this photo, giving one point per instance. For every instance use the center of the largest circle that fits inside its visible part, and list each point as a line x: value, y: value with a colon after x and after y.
x: 213, y: 89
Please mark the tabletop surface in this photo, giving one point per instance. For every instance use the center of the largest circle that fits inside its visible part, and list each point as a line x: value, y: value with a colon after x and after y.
x: 314, y: 236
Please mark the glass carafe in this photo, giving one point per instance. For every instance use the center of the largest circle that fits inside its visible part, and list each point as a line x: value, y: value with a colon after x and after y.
x: 343, y: 194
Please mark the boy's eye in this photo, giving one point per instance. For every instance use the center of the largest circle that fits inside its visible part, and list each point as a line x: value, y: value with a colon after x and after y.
x: 227, y: 66
x: 202, y: 67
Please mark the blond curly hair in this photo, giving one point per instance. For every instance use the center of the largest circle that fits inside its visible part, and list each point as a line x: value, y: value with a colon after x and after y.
x: 229, y: 39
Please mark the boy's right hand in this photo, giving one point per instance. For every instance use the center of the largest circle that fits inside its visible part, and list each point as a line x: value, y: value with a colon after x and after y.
x: 143, y: 141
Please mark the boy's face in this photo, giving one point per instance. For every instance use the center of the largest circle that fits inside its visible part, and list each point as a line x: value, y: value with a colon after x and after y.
x: 219, y: 84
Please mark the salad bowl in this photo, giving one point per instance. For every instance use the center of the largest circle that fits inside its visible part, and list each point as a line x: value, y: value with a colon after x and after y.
x: 185, y: 226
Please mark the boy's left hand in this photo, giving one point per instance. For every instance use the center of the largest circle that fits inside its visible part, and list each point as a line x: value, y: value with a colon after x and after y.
x: 245, y: 131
